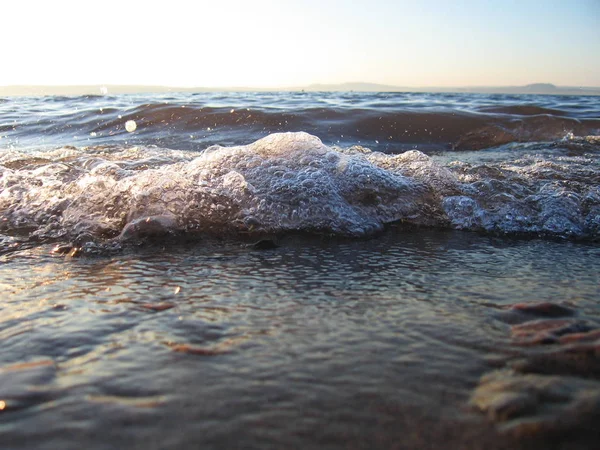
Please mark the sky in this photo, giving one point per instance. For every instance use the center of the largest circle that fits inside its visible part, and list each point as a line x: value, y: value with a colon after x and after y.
x: 281, y: 43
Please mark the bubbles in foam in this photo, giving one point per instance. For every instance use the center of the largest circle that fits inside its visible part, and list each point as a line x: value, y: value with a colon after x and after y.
x: 288, y: 182
x: 292, y: 181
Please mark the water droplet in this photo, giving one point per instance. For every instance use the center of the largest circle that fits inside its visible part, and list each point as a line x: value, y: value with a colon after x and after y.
x: 130, y: 126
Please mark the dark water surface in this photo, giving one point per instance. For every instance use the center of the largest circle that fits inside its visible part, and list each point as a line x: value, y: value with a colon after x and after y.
x: 315, y: 344
x: 390, y: 122
x: 399, y: 231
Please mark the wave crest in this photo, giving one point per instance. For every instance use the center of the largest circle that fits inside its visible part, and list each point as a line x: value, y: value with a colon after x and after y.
x: 288, y: 182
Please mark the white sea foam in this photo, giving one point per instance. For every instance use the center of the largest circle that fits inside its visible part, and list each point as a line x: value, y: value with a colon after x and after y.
x: 288, y: 182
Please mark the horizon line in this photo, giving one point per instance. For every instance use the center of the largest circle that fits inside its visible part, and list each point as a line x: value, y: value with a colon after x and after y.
x: 104, y: 89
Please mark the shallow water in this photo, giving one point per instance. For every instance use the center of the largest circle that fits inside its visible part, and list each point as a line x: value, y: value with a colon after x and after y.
x: 320, y: 343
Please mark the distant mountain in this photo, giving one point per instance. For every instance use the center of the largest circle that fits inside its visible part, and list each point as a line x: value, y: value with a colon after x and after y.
x: 535, y: 88
x: 540, y: 87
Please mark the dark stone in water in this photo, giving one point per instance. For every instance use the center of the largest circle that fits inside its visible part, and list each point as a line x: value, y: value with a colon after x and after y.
x: 593, y: 335
x: 545, y: 309
x: 157, y: 307
x: 552, y: 388
x: 581, y: 359
x: 67, y: 250
x: 265, y: 244
x: 62, y: 249
x: 148, y: 227
x: 547, y: 331
x: 525, y: 312
x: 535, y: 405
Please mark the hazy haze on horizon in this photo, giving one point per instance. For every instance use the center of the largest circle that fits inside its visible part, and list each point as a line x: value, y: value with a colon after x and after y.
x: 269, y: 43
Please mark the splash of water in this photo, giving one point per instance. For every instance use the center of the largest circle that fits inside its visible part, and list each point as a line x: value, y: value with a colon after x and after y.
x: 289, y: 182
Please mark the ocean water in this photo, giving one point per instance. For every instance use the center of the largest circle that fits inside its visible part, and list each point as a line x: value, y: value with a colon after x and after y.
x: 300, y: 270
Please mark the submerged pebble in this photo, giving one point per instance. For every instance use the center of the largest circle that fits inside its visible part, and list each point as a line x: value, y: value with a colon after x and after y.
x: 157, y: 307
x: 533, y: 405
x: 554, y: 385
x: 547, y: 331
x: 265, y: 244
x: 148, y: 227
x: 577, y: 359
x: 197, y: 350
x: 526, y: 312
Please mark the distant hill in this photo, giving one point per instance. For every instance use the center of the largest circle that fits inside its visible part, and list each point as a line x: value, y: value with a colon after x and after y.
x: 535, y: 88
x: 540, y: 87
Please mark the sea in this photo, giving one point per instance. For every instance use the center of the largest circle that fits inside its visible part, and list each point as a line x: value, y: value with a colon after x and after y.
x: 300, y: 270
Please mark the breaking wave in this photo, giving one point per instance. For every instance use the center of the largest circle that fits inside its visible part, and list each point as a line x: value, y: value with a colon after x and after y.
x: 287, y: 182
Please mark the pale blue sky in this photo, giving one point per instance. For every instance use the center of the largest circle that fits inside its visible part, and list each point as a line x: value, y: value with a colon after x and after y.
x: 290, y: 43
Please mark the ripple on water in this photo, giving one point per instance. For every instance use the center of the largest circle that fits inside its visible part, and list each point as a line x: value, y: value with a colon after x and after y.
x: 378, y: 339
